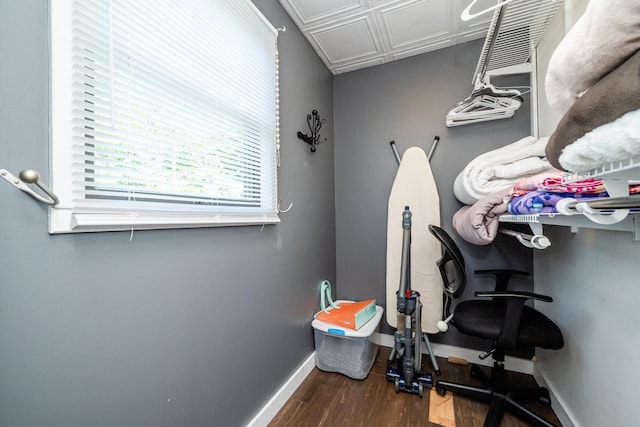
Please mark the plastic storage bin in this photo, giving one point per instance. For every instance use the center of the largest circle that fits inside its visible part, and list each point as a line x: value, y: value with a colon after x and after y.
x: 346, y: 351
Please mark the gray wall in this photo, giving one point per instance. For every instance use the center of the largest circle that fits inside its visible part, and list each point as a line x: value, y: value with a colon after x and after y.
x: 406, y: 101
x: 593, y: 278
x: 178, y: 327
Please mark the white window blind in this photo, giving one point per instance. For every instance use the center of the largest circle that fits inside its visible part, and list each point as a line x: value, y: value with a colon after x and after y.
x: 163, y: 114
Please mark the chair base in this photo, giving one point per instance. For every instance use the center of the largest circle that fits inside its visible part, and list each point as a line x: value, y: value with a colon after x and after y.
x: 499, y: 398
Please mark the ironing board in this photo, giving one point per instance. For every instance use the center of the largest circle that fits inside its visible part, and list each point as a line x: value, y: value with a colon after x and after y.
x: 415, y: 187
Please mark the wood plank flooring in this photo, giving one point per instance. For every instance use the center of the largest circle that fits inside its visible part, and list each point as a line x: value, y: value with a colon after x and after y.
x: 334, y: 400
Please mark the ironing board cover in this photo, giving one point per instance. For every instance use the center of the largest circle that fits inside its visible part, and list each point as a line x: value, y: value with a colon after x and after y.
x: 414, y: 186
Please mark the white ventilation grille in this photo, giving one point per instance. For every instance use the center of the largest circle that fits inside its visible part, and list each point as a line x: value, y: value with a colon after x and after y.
x: 514, y: 33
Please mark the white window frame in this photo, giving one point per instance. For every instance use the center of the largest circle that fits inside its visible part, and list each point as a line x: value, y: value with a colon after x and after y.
x: 67, y: 217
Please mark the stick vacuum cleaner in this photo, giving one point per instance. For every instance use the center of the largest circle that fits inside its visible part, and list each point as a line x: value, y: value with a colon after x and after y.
x: 406, y: 350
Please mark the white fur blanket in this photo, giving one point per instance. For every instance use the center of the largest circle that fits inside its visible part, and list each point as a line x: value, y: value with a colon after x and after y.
x: 613, y: 96
x: 500, y: 168
x: 605, y: 36
x: 618, y: 140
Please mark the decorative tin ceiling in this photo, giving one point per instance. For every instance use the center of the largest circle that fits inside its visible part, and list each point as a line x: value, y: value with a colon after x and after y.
x: 352, y: 34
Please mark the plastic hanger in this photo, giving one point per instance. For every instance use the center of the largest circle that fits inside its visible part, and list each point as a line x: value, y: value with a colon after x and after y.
x: 482, y: 108
x: 485, y: 88
x: 467, y: 16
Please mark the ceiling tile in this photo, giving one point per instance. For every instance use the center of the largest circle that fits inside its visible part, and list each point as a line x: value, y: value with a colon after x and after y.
x: 352, y: 34
x: 349, y: 41
x: 417, y: 22
x: 420, y: 49
x: 311, y: 11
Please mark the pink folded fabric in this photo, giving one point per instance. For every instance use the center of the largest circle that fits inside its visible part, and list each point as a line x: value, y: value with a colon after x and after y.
x: 478, y: 223
x: 554, y: 183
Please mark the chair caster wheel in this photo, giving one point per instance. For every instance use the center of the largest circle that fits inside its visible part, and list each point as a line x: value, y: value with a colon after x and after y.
x: 420, y: 390
x: 397, y: 385
x: 441, y: 391
x: 438, y: 372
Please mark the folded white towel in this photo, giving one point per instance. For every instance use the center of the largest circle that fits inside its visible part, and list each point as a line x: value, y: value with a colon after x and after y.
x: 605, y: 36
x: 500, y: 168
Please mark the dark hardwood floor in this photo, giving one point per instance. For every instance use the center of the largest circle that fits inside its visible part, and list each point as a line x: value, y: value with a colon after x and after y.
x: 334, y: 400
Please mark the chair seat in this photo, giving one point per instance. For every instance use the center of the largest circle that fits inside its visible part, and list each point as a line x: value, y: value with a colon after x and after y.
x: 483, y: 318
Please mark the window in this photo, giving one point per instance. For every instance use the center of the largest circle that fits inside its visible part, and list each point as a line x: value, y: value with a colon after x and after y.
x: 163, y: 114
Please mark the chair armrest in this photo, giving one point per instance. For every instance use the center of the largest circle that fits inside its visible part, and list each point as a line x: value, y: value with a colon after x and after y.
x: 501, y: 270
x: 503, y: 276
x: 514, y: 294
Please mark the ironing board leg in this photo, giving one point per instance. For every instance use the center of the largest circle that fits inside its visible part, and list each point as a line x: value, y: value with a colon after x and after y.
x: 434, y: 362
x: 392, y: 355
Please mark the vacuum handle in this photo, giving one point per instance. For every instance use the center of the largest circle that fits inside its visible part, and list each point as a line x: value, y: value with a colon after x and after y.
x: 405, y: 263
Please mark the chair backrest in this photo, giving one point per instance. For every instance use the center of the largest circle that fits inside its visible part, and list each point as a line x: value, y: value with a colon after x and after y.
x: 451, y: 265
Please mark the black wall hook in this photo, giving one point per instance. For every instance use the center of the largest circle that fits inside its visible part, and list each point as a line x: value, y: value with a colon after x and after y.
x: 316, y: 124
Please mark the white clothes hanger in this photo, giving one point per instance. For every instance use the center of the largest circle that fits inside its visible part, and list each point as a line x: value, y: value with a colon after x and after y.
x: 466, y: 15
x: 482, y: 108
x: 502, y: 54
x: 486, y: 88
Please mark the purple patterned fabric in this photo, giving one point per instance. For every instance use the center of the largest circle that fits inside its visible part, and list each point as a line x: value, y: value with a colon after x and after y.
x: 535, y: 202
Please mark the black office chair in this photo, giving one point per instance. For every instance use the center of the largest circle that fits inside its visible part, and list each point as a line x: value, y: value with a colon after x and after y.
x: 504, y: 319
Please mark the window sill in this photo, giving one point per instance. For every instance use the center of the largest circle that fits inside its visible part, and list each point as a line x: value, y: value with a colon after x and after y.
x: 63, y: 220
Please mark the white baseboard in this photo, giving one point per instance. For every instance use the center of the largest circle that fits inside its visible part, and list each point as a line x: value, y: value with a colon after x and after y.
x: 565, y: 417
x: 279, y: 399
x: 443, y: 350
